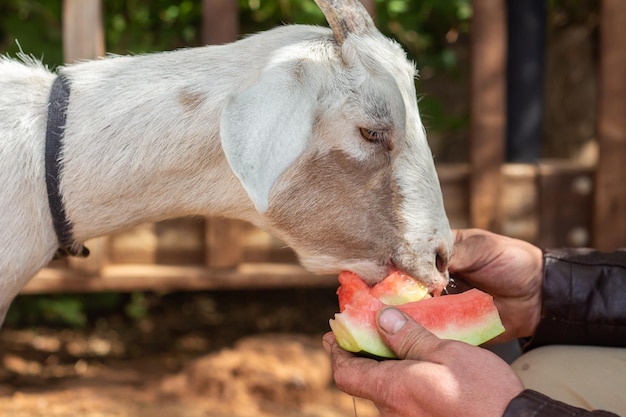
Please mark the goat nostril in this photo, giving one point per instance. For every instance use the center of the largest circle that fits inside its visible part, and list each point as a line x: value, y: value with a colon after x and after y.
x: 440, y: 262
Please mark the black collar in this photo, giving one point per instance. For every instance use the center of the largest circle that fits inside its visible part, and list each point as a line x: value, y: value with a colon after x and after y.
x: 57, y: 108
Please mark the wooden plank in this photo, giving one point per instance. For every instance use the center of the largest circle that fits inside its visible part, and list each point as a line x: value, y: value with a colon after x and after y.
x: 565, y: 191
x: 487, y: 114
x: 83, y: 36
x: 176, y: 278
x: 220, y: 21
x: 609, y: 223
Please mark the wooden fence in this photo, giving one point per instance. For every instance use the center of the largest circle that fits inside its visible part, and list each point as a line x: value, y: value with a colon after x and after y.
x: 551, y: 203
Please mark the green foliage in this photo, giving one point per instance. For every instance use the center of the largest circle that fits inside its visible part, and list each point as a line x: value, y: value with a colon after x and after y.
x: 137, y: 306
x: 74, y: 310
x: 58, y: 310
x: 427, y: 28
x: 152, y: 25
x: 36, y: 25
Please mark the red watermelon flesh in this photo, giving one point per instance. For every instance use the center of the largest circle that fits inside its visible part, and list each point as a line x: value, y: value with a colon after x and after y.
x: 397, y: 288
x: 470, y: 316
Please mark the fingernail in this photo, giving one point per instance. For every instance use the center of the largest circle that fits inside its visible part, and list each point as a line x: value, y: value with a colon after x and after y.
x: 391, y: 320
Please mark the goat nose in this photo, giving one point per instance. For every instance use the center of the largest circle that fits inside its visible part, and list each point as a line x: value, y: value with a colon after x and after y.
x: 441, y: 260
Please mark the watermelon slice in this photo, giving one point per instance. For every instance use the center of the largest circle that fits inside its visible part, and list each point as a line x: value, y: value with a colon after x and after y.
x: 470, y: 316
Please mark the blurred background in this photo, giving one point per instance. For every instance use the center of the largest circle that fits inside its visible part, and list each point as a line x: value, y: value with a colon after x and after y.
x: 434, y: 33
x: 517, y: 99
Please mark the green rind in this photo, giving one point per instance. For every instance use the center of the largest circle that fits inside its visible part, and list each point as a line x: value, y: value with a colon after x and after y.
x: 355, y: 328
x: 355, y: 337
x: 483, y: 330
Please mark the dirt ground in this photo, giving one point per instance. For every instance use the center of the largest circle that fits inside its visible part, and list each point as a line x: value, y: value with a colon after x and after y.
x: 235, y: 354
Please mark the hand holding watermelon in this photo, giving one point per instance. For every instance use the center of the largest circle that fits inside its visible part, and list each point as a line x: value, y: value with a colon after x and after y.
x: 511, y: 270
x: 438, y: 378
x: 470, y: 317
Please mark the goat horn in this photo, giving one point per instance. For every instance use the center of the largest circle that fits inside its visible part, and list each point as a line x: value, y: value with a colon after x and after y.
x: 345, y: 17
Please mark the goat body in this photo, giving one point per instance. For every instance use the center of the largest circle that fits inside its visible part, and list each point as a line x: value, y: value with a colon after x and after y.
x: 268, y: 129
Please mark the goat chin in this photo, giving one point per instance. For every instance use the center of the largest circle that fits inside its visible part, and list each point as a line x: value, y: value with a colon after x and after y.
x: 369, y: 271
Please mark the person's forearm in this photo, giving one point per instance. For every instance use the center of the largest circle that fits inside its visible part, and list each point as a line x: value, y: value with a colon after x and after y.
x: 584, y: 299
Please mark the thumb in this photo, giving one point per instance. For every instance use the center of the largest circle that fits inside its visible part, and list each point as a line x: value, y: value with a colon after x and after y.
x: 405, y: 337
x: 464, y: 253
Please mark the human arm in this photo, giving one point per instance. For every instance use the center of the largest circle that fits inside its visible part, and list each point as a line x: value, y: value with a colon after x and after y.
x: 513, y: 272
x: 438, y: 378
x: 583, y: 299
x: 558, y: 296
x: 508, y: 269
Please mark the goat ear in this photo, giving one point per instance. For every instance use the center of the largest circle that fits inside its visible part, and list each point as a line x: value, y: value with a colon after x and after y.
x: 265, y: 128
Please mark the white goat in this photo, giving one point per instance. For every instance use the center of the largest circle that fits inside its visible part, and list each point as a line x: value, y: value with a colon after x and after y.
x: 311, y: 134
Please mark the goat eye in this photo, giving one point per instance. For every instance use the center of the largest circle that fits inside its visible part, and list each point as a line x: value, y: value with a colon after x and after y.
x: 376, y: 136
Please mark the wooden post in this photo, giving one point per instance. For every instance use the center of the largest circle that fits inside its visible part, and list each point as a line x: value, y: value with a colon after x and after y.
x: 565, y: 190
x: 83, y: 38
x: 224, y: 249
x: 488, y: 111
x: 220, y: 21
x: 609, y: 218
x: 519, y: 202
x: 370, y: 5
x: 224, y: 246
x: 83, y: 35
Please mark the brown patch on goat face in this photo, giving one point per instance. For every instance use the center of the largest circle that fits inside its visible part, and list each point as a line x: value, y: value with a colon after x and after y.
x: 189, y: 100
x: 337, y: 206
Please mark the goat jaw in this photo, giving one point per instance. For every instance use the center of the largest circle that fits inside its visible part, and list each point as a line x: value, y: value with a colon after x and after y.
x: 370, y: 271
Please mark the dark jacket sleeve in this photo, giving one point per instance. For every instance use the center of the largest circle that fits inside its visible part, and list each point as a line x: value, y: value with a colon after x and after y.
x: 533, y: 404
x: 584, y: 303
x: 584, y: 299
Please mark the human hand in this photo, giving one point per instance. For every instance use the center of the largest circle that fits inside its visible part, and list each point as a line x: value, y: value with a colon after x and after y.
x: 511, y: 270
x: 437, y: 378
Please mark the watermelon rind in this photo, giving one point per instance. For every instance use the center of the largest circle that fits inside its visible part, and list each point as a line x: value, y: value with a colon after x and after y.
x: 353, y: 336
x: 486, y: 329
x: 356, y: 331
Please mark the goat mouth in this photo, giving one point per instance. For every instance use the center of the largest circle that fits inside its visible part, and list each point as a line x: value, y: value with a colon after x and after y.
x: 391, y: 268
x: 434, y: 290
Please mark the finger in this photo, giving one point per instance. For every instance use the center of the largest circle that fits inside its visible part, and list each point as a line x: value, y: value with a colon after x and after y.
x: 327, y: 341
x: 462, y: 234
x: 463, y: 253
x: 354, y: 375
x: 458, y: 234
x: 406, y: 338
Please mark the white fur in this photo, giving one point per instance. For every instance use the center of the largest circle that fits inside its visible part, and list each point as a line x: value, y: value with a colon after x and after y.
x: 220, y: 131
